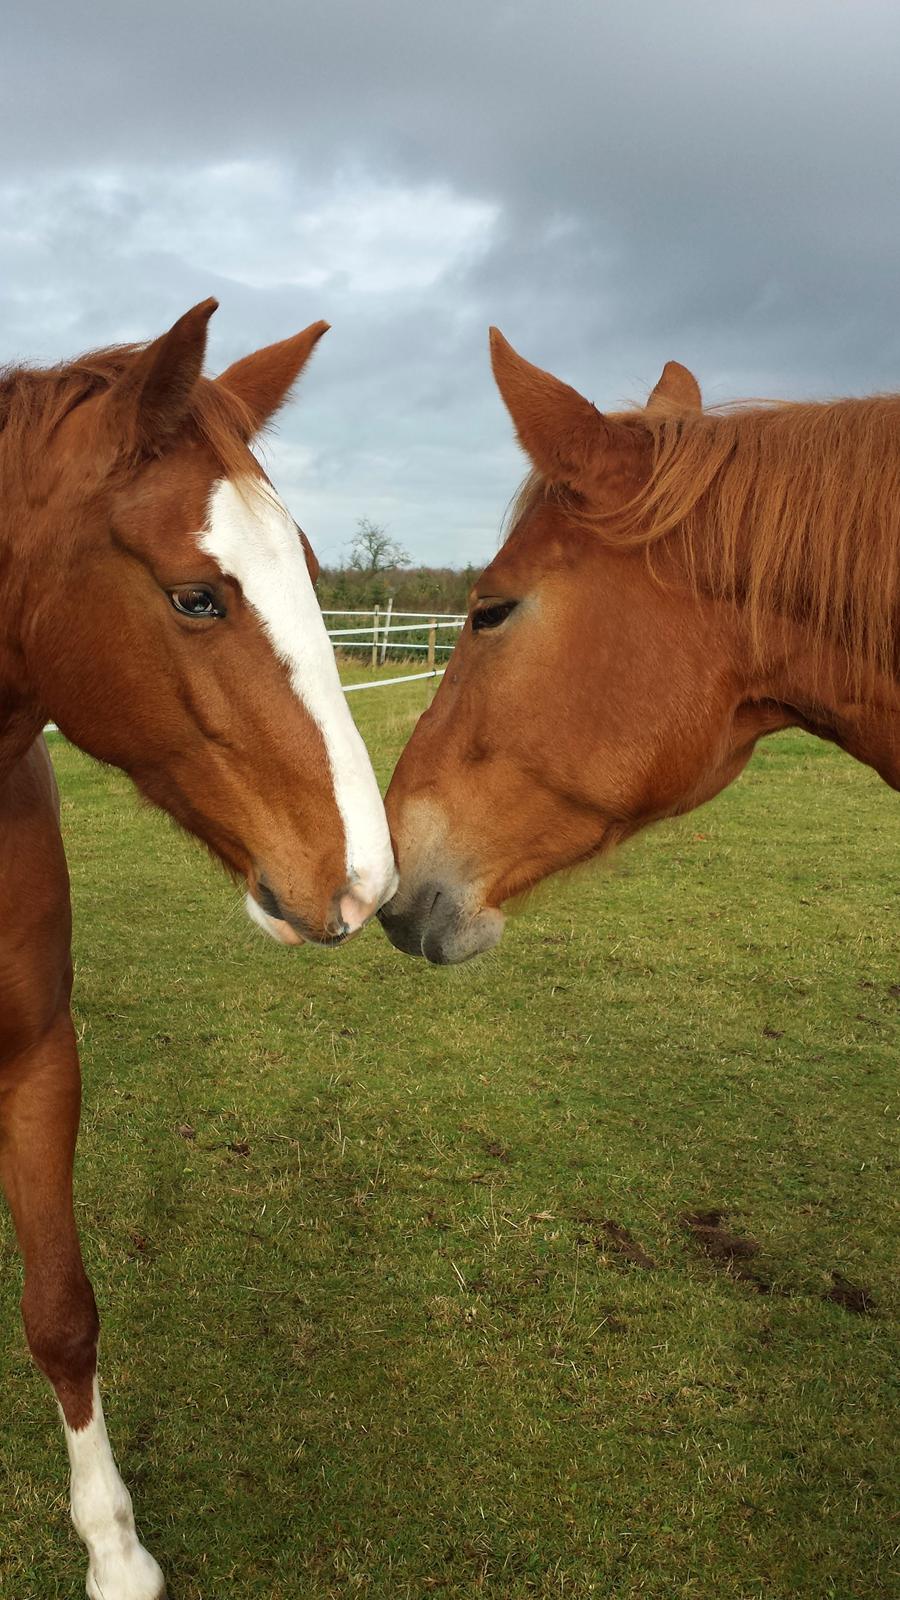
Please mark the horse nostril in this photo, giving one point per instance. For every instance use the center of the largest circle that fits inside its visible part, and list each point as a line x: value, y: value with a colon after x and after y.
x: 407, y: 918
x: 348, y: 910
x: 353, y: 908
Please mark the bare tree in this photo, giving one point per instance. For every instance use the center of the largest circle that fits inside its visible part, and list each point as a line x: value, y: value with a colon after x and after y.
x: 373, y: 550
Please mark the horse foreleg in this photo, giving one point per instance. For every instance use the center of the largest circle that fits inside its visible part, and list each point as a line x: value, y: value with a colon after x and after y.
x: 39, y: 1108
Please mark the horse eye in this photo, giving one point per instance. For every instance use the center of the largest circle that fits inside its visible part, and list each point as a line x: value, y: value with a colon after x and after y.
x: 195, y: 601
x: 491, y: 616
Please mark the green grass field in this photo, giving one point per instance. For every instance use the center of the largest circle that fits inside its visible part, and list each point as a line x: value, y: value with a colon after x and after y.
x: 366, y: 1333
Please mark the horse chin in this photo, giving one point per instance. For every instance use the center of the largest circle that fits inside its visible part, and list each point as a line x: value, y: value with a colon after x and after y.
x: 472, y: 936
x: 275, y: 927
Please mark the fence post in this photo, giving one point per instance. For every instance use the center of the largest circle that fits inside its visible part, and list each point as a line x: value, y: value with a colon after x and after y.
x: 432, y: 634
x: 375, y: 637
x: 387, y: 625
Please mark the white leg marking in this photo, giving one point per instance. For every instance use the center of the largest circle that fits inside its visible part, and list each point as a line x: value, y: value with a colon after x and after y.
x: 253, y: 539
x: 119, y: 1568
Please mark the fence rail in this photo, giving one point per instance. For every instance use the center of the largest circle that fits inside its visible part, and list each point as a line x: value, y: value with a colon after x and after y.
x: 420, y: 616
x: 395, y: 627
x: 377, y: 632
x: 385, y: 683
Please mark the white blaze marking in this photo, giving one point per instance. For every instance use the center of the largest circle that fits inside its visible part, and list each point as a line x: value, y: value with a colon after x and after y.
x: 118, y: 1564
x: 253, y: 539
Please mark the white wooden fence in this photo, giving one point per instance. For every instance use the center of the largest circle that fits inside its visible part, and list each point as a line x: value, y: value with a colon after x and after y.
x: 379, y: 630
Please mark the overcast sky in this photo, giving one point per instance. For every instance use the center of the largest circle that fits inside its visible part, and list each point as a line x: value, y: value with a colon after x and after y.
x: 613, y: 184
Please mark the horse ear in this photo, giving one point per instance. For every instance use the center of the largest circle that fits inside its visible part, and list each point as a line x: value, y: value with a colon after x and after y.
x: 263, y: 381
x: 561, y: 432
x: 677, y: 390
x: 150, y: 400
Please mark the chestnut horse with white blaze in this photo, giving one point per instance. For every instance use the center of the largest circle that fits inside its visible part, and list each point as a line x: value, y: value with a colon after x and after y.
x: 675, y: 584
x: 158, y: 605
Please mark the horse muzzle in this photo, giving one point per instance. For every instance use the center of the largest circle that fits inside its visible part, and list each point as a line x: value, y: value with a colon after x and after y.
x: 442, y: 923
x: 350, y: 908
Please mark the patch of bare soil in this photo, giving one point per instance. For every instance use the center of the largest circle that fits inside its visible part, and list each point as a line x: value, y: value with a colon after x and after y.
x: 493, y: 1147
x: 616, y: 1238
x: 852, y: 1296
x: 733, y: 1252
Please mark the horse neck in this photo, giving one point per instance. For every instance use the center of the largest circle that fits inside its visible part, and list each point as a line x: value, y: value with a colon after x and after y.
x: 818, y: 689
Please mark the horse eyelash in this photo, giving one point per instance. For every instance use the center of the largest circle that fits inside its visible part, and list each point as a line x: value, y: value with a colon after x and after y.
x: 492, y: 616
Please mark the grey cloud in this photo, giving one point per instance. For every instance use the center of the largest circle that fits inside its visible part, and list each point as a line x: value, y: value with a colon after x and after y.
x: 715, y: 183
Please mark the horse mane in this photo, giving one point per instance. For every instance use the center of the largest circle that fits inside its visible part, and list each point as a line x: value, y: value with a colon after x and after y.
x: 35, y: 400
x: 790, y: 510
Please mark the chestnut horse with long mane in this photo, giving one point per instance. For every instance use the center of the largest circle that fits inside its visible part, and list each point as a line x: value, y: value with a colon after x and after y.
x: 158, y: 605
x: 675, y: 584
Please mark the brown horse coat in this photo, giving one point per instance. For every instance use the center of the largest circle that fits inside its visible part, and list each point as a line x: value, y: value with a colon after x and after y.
x: 157, y: 603
x: 675, y: 584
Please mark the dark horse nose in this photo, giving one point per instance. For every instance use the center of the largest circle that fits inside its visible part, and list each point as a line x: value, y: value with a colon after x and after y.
x: 413, y: 922
x: 443, y: 921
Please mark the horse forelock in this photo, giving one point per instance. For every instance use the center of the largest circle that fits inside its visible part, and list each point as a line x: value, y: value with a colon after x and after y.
x: 34, y: 401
